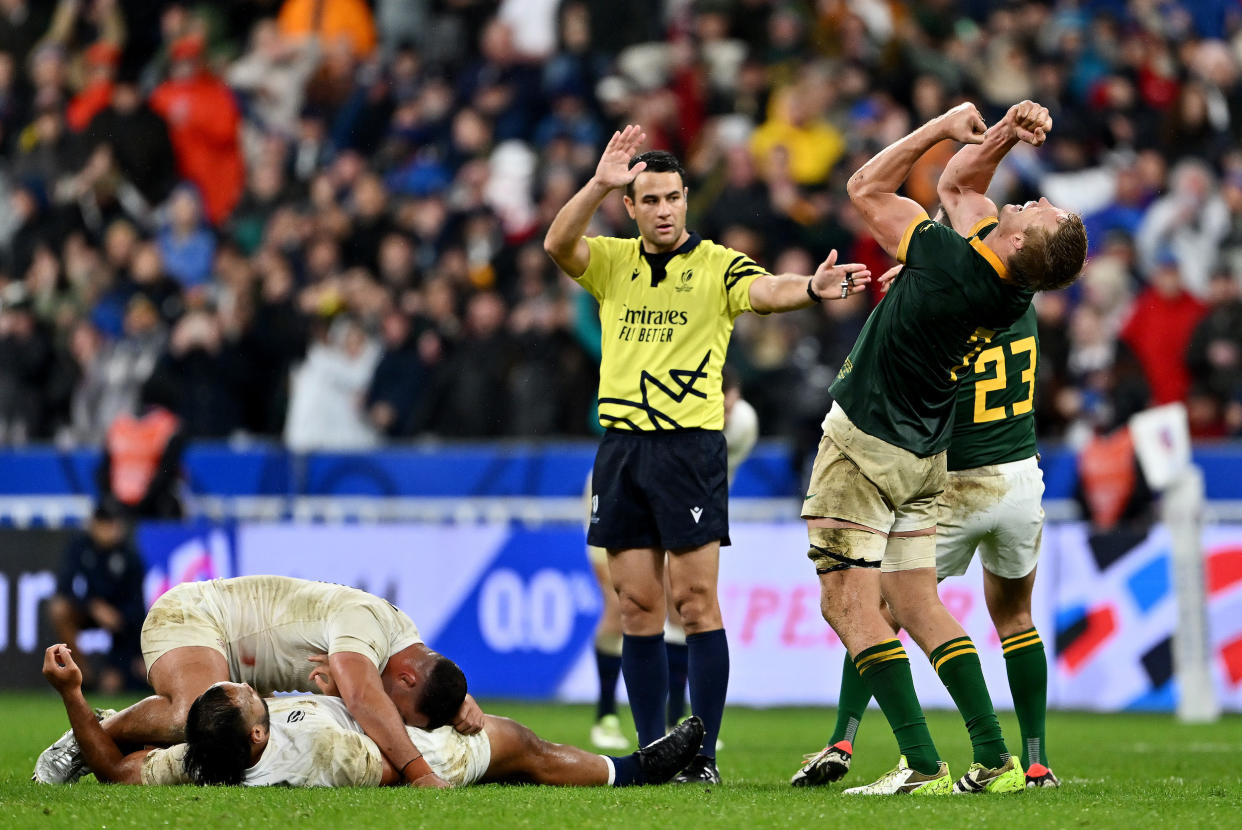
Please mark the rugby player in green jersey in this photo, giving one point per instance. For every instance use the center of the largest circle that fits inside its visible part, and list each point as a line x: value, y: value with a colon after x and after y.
x: 991, y: 503
x: 667, y: 303
x: 871, y: 507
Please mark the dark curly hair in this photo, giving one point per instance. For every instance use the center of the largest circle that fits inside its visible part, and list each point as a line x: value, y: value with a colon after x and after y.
x: 443, y: 692
x: 658, y: 161
x: 217, y: 739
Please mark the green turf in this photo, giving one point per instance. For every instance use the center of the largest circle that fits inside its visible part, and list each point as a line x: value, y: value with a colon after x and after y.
x: 1123, y: 771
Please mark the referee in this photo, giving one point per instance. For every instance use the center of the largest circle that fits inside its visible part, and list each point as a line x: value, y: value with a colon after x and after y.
x: 667, y: 301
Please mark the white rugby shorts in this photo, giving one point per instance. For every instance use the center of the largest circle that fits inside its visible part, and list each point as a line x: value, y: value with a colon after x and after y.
x: 997, y: 510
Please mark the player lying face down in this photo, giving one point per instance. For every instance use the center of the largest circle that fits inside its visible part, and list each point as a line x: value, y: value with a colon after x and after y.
x: 234, y: 736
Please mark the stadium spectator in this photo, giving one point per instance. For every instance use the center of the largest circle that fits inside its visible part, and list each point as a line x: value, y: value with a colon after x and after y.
x: 99, y: 586
x: 137, y: 141
x: 112, y: 375
x: 22, y: 23
x: 430, y: 162
x: 25, y: 359
x: 1214, y: 356
x: 1159, y: 328
x: 1106, y: 382
x: 344, y: 21
x: 199, y: 377
x: 272, y: 77
x: 203, y: 119
x: 1189, y: 222
x: 479, y: 368
x: 401, y: 377
x: 101, y: 61
x: 326, y: 402
x: 185, y: 245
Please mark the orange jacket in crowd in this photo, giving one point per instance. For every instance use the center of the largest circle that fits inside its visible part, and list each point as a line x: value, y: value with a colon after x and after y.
x: 330, y: 19
x: 203, y: 122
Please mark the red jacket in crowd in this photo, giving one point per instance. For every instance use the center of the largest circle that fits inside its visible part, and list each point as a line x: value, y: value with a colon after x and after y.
x: 203, y: 122
x: 1158, y: 332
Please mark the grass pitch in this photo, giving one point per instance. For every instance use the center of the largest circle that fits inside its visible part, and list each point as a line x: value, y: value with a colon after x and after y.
x: 1122, y: 771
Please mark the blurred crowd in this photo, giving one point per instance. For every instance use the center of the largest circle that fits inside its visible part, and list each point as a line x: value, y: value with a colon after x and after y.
x: 320, y: 221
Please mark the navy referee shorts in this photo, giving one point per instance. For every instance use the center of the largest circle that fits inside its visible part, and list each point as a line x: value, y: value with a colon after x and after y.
x: 667, y: 489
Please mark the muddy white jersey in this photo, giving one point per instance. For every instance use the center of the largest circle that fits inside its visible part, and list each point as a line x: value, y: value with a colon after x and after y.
x: 268, y: 626
x: 314, y: 742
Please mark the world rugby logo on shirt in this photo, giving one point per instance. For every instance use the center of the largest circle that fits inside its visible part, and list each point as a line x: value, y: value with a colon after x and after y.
x: 683, y: 282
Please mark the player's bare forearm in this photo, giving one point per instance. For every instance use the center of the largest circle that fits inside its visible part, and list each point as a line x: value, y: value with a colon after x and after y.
x: 963, y: 185
x: 972, y: 167
x: 98, y: 748
x: 102, y: 754
x: 873, y: 188
x: 887, y: 170
x: 364, y: 696
x: 563, y: 241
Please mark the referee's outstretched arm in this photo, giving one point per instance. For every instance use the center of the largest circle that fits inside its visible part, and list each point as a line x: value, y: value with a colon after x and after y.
x: 786, y: 292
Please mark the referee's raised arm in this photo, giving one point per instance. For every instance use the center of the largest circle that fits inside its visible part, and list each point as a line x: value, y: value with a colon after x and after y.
x: 564, y: 242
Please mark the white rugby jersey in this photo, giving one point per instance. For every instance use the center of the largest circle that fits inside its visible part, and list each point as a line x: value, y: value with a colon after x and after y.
x: 314, y: 742
x: 268, y: 626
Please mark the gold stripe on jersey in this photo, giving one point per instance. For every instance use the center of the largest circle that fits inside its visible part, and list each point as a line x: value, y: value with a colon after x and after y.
x: 977, y: 341
x: 907, y: 233
x: 665, y: 325
x: 981, y: 224
x: 991, y: 257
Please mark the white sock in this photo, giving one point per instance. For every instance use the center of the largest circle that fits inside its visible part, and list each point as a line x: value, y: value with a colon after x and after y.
x: 612, y: 771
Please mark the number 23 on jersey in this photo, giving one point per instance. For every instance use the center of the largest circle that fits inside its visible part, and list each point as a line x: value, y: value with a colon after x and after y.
x: 996, y: 356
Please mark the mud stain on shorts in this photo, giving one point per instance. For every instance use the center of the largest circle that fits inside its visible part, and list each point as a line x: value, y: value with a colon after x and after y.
x: 969, y: 494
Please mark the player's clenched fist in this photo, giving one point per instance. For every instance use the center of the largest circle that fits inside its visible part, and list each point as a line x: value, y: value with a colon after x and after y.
x: 964, y: 123
x: 59, y: 668
x: 1031, y: 122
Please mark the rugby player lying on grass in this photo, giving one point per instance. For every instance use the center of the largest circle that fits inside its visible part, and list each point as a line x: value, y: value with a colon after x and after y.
x: 234, y: 736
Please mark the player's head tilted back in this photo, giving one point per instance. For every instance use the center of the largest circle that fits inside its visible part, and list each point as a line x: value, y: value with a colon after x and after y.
x: 656, y: 200
x: 225, y: 726
x: 1050, y: 244
x: 443, y: 691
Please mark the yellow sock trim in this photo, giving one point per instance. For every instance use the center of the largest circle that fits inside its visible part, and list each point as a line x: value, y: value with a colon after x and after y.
x: 1020, y: 641
x: 895, y: 651
x: 956, y: 651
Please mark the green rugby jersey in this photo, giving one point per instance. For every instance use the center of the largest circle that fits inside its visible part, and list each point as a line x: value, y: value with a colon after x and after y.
x: 994, y: 420
x: 666, y: 320
x: 900, y: 379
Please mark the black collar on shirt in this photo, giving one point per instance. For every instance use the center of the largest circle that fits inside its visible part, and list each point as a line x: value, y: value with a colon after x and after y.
x: 658, y: 262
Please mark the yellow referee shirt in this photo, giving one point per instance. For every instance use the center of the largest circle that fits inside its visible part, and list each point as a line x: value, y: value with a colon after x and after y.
x: 666, y: 321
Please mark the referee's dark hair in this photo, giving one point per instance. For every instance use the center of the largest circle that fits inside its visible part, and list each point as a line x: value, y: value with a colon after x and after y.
x: 217, y: 739
x: 658, y: 161
x: 443, y: 692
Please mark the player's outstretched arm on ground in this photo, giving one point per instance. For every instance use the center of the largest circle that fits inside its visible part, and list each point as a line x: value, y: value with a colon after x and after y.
x: 563, y: 241
x: 102, y: 754
x: 364, y: 696
x: 964, y: 183
x: 873, y: 188
x: 786, y: 292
